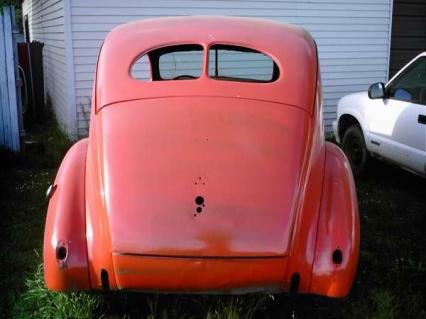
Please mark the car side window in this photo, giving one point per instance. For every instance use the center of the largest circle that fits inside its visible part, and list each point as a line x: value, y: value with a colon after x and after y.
x: 410, y: 86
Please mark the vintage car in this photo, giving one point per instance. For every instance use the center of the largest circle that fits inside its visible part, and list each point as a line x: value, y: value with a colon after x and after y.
x: 388, y: 122
x: 205, y: 169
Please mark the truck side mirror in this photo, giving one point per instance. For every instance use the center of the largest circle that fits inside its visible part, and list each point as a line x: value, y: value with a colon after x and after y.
x: 376, y: 91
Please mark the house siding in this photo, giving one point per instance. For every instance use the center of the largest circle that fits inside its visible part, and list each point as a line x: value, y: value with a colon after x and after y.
x: 352, y: 36
x: 46, y: 25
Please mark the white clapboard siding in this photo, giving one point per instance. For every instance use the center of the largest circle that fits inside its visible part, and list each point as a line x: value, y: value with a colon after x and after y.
x: 47, y: 25
x: 352, y: 37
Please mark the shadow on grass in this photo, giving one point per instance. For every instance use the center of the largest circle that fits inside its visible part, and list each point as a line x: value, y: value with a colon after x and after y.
x: 24, y: 179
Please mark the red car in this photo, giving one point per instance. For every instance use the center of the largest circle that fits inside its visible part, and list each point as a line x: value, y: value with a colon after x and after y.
x: 205, y: 169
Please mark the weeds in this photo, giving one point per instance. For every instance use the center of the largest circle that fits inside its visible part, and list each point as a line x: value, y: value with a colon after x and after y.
x: 38, y: 302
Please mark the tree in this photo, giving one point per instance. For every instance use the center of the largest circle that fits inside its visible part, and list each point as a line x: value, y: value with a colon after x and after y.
x: 16, y: 3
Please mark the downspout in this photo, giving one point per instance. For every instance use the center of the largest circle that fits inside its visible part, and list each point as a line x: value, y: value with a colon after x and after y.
x: 72, y: 121
x: 389, y: 37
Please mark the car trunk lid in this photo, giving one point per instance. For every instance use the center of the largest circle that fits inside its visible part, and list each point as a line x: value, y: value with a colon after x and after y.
x: 201, y: 176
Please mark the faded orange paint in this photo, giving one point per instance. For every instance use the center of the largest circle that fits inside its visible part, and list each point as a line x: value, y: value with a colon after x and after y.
x: 275, y: 199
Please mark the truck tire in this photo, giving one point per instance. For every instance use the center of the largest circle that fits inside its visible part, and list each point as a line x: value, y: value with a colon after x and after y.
x: 353, y: 144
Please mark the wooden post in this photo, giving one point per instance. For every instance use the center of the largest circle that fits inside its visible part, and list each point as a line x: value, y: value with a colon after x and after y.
x: 4, y: 95
x: 9, y: 104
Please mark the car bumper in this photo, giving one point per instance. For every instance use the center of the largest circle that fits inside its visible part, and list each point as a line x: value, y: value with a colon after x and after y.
x: 199, y: 275
x: 335, y: 133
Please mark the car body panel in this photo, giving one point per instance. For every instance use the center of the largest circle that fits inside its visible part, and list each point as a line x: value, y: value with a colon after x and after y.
x: 66, y: 230
x: 329, y: 277
x: 255, y: 152
x: 179, y: 148
x: 349, y: 105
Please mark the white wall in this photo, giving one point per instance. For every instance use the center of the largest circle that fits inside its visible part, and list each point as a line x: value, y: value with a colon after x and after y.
x: 352, y: 36
x: 46, y: 24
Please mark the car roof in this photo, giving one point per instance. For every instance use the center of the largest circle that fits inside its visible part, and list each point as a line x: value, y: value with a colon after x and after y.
x: 291, y: 47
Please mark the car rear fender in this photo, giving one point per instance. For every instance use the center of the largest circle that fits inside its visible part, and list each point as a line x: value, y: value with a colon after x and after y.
x: 65, y: 249
x: 337, y: 244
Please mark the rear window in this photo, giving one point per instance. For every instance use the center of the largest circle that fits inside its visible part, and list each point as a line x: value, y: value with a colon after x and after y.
x: 235, y: 63
x: 179, y: 62
x: 185, y: 62
x: 141, y: 69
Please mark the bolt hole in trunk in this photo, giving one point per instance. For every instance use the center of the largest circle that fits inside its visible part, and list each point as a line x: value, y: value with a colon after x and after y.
x: 199, y: 200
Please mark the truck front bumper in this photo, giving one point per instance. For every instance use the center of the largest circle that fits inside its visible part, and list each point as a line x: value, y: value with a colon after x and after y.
x: 335, y: 132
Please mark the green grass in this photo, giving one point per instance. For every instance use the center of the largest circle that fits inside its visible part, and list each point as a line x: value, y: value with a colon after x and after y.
x: 38, y: 302
x: 390, y: 283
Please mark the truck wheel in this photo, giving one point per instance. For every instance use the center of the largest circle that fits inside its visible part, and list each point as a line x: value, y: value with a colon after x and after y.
x: 353, y: 145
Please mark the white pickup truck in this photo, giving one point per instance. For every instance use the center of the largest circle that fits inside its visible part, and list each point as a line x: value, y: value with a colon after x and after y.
x: 387, y: 122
